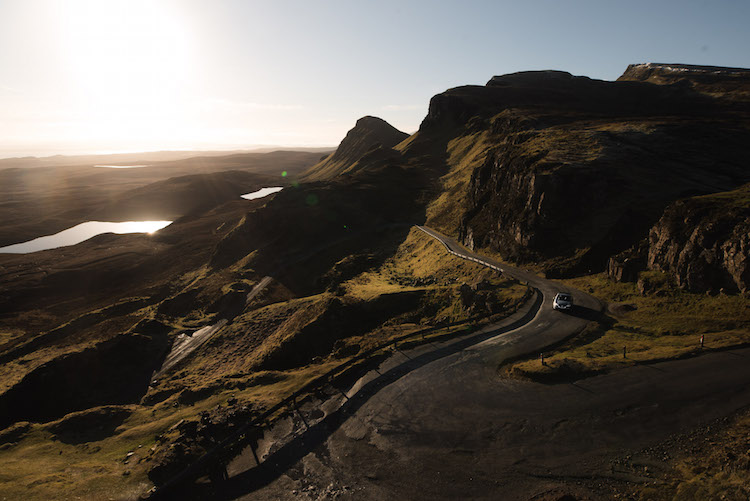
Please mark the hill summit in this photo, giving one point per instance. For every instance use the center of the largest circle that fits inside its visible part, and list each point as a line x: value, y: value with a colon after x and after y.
x: 717, y: 81
x: 369, y: 133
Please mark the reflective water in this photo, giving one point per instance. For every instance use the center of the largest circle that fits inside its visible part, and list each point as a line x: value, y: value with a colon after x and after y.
x: 263, y: 192
x: 82, y: 232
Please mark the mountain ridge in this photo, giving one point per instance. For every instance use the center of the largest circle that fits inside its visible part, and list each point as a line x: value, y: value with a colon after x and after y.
x: 368, y: 134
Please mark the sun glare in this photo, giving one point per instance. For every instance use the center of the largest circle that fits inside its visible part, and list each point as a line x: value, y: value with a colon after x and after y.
x: 129, y: 66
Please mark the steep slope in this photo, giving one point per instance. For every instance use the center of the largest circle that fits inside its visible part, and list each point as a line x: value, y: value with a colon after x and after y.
x: 536, y: 166
x: 568, y: 170
x: 713, y: 80
x: 370, y: 135
x: 704, y: 242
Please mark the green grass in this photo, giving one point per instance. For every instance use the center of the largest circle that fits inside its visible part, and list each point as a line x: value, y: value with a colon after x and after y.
x: 717, y: 468
x: 733, y: 199
x: 40, y: 466
x: 664, y: 324
x: 465, y: 154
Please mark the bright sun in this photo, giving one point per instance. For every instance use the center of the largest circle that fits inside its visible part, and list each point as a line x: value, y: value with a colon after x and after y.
x: 129, y: 62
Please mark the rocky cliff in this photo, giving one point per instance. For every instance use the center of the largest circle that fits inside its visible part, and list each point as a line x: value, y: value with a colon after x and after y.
x: 704, y: 242
x: 712, y: 80
x: 576, y: 170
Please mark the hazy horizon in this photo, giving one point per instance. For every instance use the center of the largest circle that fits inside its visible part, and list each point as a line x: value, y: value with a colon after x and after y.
x: 85, y: 77
x: 44, y: 154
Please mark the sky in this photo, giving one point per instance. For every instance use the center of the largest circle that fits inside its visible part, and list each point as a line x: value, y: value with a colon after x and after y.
x: 94, y: 76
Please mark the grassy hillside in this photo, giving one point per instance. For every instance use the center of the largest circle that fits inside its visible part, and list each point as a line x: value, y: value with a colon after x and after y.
x: 551, y: 170
x: 255, y: 360
x: 44, y: 200
x: 661, y: 323
x: 370, y: 135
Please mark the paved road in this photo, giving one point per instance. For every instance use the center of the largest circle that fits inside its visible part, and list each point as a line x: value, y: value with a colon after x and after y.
x: 549, y: 326
x: 533, y: 328
x: 448, y: 427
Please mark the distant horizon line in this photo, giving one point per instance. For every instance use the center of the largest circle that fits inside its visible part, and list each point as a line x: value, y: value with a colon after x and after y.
x: 21, y: 155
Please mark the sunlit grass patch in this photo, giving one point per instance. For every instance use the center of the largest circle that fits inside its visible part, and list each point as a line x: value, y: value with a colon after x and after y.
x: 662, y: 324
x: 465, y: 154
x: 369, y: 285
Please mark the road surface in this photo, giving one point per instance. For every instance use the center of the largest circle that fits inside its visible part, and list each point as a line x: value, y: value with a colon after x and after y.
x: 449, y: 427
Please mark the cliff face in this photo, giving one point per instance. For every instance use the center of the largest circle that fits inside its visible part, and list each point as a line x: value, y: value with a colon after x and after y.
x: 370, y: 136
x: 704, y: 242
x: 712, y: 80
x: 584, y: 193
x: 577, y: 170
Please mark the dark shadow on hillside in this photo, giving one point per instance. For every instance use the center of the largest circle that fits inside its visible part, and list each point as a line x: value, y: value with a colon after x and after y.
x: 313, y: 236
x: 586, y: 313
x: 273, y: 466
x: 116, y: 371
x: 91, y: 425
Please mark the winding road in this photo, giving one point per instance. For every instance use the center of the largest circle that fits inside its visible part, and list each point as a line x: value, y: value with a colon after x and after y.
x: 437, y: 422
x: 548, y: 326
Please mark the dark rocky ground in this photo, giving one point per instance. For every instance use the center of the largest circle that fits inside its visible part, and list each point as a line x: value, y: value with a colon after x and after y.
x: 455, y: 430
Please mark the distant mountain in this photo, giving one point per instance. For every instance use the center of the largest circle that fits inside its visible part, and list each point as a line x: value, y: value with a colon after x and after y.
x: 369, y: 134
x: 183, y: 195
x: 565, y: 171
x: 47, y: 199
x: 143, y: 157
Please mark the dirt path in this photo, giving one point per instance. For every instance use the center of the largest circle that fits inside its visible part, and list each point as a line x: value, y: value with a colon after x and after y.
x: 258, y: 288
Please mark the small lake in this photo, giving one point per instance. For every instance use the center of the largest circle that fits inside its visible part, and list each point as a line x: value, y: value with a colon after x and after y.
x: 263, y: 192
x: 81, y: 232
x: 121, y: 166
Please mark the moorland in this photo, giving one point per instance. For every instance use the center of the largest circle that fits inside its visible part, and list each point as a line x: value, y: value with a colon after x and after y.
x: 630, y: 193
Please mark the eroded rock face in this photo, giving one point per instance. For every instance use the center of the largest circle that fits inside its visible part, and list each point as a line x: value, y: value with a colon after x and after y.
x: 536, y: 204
x: 580, y: 169
x: 625, y: 270
x: 709, y: 79
x: 704, y: 243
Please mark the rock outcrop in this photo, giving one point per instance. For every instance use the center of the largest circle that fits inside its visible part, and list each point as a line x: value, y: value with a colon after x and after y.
x: 625, y: 266
x: 577, y: 170
x: 116, y: 371
x: 714, y: 80
x: 370, y: 136
x: 704, y: 242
